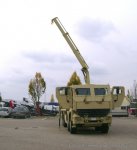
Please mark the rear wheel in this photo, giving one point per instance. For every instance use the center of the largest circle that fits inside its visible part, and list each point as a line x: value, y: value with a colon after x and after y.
x: 13, y: 117
x: 72, y: 130
x: 63, y: 121
x: 29, y: 115
x: 68, y: 125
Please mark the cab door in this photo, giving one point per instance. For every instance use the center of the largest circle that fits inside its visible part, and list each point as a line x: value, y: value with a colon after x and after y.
x: 118, y: 95
x: 64, y: 97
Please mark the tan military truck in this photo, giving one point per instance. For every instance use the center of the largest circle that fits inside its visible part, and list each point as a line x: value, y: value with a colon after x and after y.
x: 87, y: 105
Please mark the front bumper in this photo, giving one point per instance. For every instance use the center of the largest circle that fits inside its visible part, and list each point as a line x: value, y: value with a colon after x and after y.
x: 92, y: 121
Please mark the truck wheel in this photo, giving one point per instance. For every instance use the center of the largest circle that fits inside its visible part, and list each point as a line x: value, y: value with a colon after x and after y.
x: 97, y: 129
x: 63, y: 123
x: 68, y: 125
x: 72, y: 129
x: 104, y: 128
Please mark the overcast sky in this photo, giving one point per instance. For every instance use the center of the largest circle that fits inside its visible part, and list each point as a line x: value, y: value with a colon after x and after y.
x: 105, y: 31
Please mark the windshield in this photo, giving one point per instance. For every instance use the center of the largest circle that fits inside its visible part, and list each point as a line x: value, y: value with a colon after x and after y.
x: 82, y: 91
x: 100, y: 91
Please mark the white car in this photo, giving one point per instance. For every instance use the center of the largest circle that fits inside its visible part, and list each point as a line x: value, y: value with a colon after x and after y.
x: 119, y: 112
x: 5, y: 111
x: 49, y: 110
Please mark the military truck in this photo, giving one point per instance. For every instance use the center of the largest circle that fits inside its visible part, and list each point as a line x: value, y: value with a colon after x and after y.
x: 87, y: 105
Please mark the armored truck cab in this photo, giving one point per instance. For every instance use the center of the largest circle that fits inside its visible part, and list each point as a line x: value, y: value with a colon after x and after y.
x: 88, y: 105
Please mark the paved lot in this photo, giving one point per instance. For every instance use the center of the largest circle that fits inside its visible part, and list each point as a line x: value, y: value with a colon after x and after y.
x: 44, y: 133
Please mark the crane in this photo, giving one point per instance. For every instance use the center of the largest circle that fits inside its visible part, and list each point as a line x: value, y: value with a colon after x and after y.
x: 74, y: 49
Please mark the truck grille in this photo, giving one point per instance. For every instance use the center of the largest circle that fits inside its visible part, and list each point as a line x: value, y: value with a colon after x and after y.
x: 93, y: 112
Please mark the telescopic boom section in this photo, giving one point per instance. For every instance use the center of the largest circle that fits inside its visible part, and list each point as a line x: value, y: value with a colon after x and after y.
x: 74, y: 49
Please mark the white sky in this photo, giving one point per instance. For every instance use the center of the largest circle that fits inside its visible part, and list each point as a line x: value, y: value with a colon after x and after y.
x: 104, y: 31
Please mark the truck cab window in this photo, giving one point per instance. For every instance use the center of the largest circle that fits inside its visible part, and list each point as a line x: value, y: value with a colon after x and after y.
x: 82, y: 91
x: 101, y: 91
x: 117, y: 91
x: 63, y: 91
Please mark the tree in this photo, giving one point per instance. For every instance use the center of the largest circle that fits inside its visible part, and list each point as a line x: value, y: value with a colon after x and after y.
x: 37, y: 87
x: 74, y: 80
x: 52, y: 99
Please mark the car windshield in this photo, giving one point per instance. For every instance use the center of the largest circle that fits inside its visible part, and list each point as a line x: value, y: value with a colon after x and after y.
x: 133, y: 105
x: 3, y: 109
x: 20, y: 109
x: 135, y: 100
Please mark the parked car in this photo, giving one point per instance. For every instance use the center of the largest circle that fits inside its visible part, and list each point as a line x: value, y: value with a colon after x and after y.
x: 20, y: 112
x: 33, y: 112
x: 119, y: 112
x: 5, y: 111
x: 133, y: 108
x: 49, y: 110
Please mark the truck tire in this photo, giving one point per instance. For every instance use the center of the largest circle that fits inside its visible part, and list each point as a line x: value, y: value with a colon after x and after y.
x: 105, y: 128
x: 68, y: 125
x: 72, y: 130
x: 63, y: 122
x: 97, y: 129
